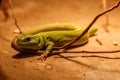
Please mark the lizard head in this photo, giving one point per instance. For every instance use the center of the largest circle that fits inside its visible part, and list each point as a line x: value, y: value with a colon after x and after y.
x: 27, y: 42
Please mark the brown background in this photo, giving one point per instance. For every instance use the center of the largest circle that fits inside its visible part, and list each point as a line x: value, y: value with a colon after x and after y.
x: 72, y: 66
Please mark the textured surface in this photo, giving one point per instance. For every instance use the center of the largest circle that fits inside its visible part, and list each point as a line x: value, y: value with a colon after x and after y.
x: 70, y: 66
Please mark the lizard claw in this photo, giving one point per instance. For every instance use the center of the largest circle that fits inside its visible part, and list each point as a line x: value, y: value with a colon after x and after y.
x: 42, y: 57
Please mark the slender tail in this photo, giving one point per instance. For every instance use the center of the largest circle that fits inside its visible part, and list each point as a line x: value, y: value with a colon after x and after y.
x: 92, y: 31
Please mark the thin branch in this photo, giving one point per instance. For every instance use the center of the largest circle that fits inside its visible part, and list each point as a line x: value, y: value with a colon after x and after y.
x: 89, y: 26
x: 82, y: 51
x: 105, y: 57
x: 105, y: 26
x: 12, y: 10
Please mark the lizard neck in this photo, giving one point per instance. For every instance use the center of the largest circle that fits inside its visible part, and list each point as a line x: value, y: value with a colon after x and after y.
x: 42, y: 41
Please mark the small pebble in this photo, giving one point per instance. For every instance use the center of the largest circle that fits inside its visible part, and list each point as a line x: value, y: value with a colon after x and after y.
x: 48, y: 67
x: 115, y: 43
x: 16, y: 31
x: 4, y: 51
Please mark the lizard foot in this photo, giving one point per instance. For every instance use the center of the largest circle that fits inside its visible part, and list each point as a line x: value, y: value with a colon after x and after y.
x: 42, y: 57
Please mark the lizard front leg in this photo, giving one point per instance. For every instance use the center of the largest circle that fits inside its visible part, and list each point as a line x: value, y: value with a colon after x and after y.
x: 47, y: 51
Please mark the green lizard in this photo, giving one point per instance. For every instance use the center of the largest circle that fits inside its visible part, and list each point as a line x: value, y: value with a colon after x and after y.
x: 49, y: 37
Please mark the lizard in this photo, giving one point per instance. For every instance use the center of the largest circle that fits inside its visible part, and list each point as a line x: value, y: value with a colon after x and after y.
x: 57, y: 36
x: 50, y: 37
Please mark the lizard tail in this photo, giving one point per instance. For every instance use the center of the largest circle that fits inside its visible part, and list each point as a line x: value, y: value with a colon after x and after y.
x: 92, y: 31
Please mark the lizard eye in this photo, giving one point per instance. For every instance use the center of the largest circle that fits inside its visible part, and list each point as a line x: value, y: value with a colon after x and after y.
x: 28, y: 39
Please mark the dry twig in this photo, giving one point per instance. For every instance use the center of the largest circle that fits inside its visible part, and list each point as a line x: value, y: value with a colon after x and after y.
x: 12, y: 9
x: 97, y: 40
x: 89, y: 26
x: 82, y: 51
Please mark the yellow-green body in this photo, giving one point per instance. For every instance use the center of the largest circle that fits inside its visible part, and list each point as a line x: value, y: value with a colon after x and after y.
x: 48, y: 37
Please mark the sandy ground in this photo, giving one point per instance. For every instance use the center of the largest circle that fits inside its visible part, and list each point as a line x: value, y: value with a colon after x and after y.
x: 72, y: 66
